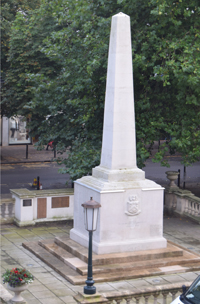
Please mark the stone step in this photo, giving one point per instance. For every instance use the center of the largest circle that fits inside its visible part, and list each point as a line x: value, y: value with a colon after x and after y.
x: 82, y: 253
x: 135, y: 274
x: 158, y: 263
x: 74, y: 269
x: 64, y: 270
x: 62, y: 254
x: 81, y: 267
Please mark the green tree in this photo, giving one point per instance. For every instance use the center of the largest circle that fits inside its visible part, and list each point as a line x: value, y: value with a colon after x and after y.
x: 171, y: 91
x: 59, y: 72
x: 9, y: 9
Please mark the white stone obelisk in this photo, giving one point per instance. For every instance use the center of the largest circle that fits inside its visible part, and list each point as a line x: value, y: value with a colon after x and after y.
x: 131, y: 216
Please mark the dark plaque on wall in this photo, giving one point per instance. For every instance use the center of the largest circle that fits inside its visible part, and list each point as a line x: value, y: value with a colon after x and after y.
x: 60, y: 202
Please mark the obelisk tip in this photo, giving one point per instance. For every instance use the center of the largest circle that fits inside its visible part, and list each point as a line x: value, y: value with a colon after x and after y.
x: 121, y: 15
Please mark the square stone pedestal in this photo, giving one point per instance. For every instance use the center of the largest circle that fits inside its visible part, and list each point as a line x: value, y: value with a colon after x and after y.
x: 130, y: 217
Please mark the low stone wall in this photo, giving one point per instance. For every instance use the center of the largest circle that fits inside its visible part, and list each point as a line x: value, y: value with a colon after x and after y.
x: 37, y: 206
x: 158, y: 294
x: 182, y: 202
x: 161, y: 294
x: 5, y: 295
x: 7, y: 210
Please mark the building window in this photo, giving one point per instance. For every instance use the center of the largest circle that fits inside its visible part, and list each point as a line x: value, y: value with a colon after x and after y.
x: 18, y: 134
x: 27, y: 202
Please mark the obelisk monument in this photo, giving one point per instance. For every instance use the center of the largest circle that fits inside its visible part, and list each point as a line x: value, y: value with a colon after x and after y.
x: 131, y: 213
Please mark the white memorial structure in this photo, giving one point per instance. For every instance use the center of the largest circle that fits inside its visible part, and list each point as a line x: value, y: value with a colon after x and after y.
x: 131, y: 213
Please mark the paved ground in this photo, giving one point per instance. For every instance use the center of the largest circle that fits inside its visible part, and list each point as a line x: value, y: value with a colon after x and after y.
x: 17, y: 153
x: 50, y: 288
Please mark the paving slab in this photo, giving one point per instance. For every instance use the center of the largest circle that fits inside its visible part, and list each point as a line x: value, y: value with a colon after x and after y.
x: 12, y: 251
x: 53, y: 300
x: 122, y: 285
x: 68, y: 300
x: 34, y: 301
x: 43, y: 294
x: 188, y: 276
x: 39, y: 287
x: 173, y: 278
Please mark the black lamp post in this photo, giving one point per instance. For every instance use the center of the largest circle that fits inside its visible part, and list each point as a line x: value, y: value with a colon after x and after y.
x: 91, y: 209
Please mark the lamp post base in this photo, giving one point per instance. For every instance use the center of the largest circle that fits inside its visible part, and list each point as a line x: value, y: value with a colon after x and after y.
x: 88, y: 299
x: 89, y: 290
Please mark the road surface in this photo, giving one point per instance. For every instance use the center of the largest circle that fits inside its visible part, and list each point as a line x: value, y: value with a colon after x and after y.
x: 16, y: 176
x: 21, y: 175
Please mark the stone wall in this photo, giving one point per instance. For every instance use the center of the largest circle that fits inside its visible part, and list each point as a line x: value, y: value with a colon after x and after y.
x: 157, y: 294
x: 7, y: 210
x: 182, y: 202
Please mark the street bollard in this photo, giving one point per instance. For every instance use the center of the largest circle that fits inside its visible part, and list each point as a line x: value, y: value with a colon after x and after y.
x: 179, y: 177
x: 38, y: 183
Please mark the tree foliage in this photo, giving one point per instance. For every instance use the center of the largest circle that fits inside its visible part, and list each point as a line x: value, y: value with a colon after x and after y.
x: 170, y: 77
x: 58, y: 62
x: 9, y: 9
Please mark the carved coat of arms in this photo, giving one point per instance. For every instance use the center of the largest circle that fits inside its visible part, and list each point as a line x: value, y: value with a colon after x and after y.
x: 133, y: 206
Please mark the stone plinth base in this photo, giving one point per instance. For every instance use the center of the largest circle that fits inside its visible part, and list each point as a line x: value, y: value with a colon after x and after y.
x: 130, y: 217
x: 123, y: 246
